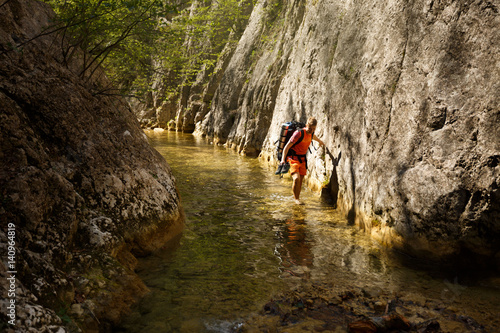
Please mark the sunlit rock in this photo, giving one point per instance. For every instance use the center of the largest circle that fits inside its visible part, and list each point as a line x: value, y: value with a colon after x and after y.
x: 407, y: 93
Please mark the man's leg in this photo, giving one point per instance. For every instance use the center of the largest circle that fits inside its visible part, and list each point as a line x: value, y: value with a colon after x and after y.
x: 297, y: 186
x: 300, y: 186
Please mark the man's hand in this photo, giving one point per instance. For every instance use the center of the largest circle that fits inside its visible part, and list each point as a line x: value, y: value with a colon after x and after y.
x: 321, y: 143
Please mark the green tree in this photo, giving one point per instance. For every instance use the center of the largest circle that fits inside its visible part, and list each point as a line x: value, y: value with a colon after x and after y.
x: 136, y: 41
x: 118, y: 35
x: 198, y: 35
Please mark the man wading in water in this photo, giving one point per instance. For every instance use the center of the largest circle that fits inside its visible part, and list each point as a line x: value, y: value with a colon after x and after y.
x: 297, y: 155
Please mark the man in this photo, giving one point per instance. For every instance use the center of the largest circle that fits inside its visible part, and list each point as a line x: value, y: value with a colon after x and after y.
x: 296, y: 155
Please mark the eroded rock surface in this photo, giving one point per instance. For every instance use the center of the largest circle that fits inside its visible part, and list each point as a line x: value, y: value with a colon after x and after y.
x: 408, y: 93
x: 79, y: 183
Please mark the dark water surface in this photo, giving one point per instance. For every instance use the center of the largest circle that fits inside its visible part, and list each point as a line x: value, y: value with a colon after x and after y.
x: 245, y: 241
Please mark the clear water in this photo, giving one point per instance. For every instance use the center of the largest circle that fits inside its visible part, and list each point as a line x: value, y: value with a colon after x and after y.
x: 245, y: 241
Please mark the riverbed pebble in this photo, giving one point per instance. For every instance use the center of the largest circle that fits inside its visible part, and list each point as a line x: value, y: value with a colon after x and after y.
x: 77, y: 310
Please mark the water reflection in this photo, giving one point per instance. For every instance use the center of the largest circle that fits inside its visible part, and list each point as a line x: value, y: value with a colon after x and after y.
x: 294, y: 247
x: 245, y: 241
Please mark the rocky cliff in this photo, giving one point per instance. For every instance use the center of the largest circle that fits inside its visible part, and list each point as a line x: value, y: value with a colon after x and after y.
x: 408, y: 94
x: 81, y: 190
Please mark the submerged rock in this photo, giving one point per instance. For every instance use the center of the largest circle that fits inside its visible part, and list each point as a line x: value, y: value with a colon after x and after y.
x: 325, y: 308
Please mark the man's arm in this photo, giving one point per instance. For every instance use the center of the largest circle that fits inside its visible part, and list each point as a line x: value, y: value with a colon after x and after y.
x: 285, y: 151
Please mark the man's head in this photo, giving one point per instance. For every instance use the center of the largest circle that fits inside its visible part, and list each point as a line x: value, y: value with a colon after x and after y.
x: 311, y: 125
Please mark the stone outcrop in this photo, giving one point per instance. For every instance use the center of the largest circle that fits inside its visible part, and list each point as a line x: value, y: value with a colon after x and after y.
x: 406, y: 92
x: 80, y: 186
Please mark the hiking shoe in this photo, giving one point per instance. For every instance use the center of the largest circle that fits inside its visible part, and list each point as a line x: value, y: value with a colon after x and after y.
x: 285, y: 167
x: 280, y: 166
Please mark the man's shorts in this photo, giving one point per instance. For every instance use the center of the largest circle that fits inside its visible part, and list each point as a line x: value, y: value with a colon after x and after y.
x: 296, y: 166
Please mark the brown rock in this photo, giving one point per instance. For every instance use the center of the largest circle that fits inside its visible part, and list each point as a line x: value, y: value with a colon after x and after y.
x: 78, y: 178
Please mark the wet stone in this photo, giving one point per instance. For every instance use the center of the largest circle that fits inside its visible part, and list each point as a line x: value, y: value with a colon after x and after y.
x: 352, y: 311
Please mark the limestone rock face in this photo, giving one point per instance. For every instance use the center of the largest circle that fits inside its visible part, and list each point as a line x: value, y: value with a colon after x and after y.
x: 79, y: 183
x: 406, y: 92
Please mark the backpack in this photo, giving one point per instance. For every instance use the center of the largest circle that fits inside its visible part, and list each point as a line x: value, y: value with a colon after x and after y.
x: 287, y: 130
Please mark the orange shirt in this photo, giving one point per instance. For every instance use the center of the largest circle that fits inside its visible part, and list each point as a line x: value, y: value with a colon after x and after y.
x: 301, y: 148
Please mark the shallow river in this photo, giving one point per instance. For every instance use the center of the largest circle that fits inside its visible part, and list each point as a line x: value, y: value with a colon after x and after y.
x: 245, y: 241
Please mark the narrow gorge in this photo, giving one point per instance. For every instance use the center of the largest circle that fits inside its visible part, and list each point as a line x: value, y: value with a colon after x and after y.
x: 406, y: 92
x: 407, y: 98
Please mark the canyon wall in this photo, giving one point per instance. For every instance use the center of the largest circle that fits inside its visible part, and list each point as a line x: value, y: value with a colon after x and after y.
x: 407, y: 93
x: 82, y: 192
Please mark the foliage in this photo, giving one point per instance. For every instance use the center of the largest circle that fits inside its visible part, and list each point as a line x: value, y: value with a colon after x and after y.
x: 120, y: 35
x: 63, y: 314
x: 204, y: 29
x: 272, y: 12
x: 136, y: 41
